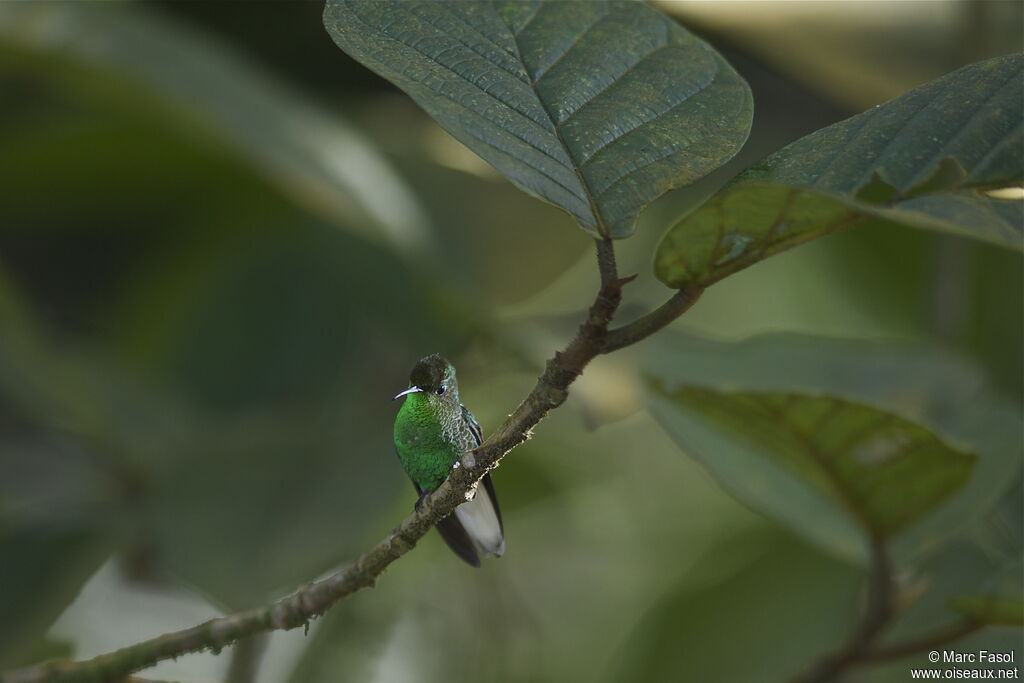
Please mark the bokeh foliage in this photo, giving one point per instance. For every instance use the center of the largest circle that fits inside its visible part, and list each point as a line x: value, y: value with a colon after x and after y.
x: 203, y: 313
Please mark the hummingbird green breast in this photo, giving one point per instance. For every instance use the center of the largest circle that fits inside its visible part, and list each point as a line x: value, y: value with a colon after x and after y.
x: 432, y: 429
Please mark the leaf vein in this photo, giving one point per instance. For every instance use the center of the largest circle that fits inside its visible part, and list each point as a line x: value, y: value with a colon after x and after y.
x: 686, y: 97
x: 572, y: 44
x: 432, y: 59
x: 633, y: 170
x: 605, y: 89
x: 536, y: 11
x: 960, y: 130
x: 520, y: 75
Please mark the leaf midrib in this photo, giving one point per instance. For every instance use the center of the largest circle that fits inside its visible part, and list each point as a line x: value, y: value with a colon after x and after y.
x: 824, y: 464
x: 525, y: 116
x: 599, y: 223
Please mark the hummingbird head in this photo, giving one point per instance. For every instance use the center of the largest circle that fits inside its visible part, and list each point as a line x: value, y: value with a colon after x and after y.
x: 435, y: 377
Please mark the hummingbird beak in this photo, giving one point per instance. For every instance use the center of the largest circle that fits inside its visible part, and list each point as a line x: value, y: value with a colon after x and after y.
x: 410, y: 390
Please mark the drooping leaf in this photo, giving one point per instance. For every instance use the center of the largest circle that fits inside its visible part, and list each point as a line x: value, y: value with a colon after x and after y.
x: 597, y: 107
x: 881, y: 471
x: 923, y: 160
x: 991, y: 610
x: 920, y: 386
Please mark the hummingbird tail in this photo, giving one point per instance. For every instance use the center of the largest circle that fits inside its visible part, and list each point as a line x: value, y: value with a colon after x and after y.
x: 458, y: 540
x: 475, y: 528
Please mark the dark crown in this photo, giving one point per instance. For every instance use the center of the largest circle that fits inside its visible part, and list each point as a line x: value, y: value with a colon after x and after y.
x: 429, y: 372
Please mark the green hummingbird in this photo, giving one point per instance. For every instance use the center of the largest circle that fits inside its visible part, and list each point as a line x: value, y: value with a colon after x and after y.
x: 432, y: 431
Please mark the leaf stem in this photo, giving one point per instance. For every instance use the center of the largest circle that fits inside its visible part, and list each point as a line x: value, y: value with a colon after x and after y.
x: 861, y: 649
x: 641, y: 328
x: 877, y: 614
x: 606, y: 260
x: 926, y: 642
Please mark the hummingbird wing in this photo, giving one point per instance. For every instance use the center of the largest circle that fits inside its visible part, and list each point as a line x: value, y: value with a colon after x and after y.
x: 469, y: 531
x: 478, y: 436
x: 481, y: 517
x: 474, y: 426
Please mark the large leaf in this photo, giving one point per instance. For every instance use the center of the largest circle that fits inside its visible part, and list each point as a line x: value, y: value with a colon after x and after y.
x: 917, y: 385
x: 923, y: 160
x: 797, y: 453
x: 597, y: 107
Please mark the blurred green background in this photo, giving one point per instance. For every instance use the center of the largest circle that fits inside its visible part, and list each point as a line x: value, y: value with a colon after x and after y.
x: 223, y: 245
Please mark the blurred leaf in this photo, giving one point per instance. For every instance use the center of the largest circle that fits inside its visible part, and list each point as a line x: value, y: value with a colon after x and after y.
x: 288, y: 337
x: 488, y: 229
x: 307, y: 478
x: 43, y: 650
x: 596, y: 107
x: 294, y: 496
x: 779, y: 608
x: 991, y: 610
x: 115, y: 609
x: 344, y: 643
x: 917, y: 384
x: 920, y: 161
x: 314, y: 157
x: 806, y: 460
x: 822, y: 44
x: 960, y: 567
x: 275, y: 310
x: 42, y: 570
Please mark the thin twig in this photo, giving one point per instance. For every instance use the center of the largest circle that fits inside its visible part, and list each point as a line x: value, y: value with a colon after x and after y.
x: 245, y: 659
x: 925, y: 643
x: 641, y: 328
x: 314, y: 599
x: 879, y: 610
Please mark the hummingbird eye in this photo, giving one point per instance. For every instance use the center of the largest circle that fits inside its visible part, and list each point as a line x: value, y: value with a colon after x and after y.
x: 440, y: 391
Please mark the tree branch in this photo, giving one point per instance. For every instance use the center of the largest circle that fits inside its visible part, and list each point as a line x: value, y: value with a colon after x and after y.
x: 641, y: 328
x: 314, y: 599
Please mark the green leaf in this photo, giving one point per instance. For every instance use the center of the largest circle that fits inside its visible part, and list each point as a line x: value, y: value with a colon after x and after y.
x: 781, y: 602
x: 917, y: 385
x: 882, y: 471
x: 43, y: 569
x: 923, y: 160
x: 597, y: 107
x: 991, y: 610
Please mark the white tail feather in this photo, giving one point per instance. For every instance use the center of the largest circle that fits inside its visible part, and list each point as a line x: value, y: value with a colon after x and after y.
x: 481, y: 523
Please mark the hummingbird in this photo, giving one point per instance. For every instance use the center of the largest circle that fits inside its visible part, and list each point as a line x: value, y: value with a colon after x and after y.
x: 432, y: 431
